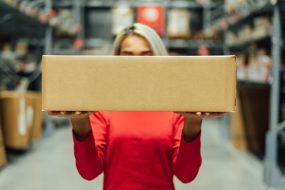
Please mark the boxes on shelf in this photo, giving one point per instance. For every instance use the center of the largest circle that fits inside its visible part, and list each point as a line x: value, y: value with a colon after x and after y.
x: 254, y: 101
x: 181, y: 29
x: 122, y: 17
x: 262, y: 27
x: 151, y: 83
x: 20, y: 112
x: 256, y: 65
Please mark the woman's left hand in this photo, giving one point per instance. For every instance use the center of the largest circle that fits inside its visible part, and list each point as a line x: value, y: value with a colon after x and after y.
x: 193, y: 122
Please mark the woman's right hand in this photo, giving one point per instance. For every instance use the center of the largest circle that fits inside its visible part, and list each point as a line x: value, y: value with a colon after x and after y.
x: 79, y: 120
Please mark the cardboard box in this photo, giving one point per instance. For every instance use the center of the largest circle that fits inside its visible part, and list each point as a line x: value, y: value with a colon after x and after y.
x: 2, y: 149
x: 3, y: 160
x: 152, y: 83
x: 16, y: 120
x: 255, y: 105
x: 1, y: 135
x: 237, y: 129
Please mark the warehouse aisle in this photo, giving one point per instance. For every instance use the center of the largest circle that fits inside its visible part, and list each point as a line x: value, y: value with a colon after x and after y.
x: 50, y: 165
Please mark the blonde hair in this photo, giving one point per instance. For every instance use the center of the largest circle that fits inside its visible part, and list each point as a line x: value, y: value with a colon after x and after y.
x: 156, y: 44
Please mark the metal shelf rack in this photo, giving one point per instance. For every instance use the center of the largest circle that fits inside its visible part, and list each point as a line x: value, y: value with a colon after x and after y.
x: 17, y: 23
x: 273, y: 176
x: 245, y: 44
x: 231, y: 21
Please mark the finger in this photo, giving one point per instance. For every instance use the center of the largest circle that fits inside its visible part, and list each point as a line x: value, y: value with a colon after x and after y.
x: 62, y: 112
x: 198, y: 113
x: 70, y: 113
x: 207, y: 114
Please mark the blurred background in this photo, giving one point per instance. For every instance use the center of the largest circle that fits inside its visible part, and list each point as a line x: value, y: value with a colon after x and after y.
x: 244, y: 150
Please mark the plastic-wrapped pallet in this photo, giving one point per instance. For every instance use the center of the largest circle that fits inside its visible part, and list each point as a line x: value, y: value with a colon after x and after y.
x: 122, y: 17
x: 179, y: 23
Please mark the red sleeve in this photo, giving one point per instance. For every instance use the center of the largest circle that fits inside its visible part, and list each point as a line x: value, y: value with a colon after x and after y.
x: 90, y: 153
x: 186, y: 158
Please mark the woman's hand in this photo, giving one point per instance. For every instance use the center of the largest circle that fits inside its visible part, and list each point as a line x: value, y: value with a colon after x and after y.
x: 193, y: 122
x: 79, y: 120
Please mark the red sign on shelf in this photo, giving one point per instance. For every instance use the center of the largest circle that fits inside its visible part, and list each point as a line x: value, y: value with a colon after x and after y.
x: 153, y: 16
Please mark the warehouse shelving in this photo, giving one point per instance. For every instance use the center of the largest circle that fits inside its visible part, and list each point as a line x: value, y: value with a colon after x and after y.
x: 169, y: 4
x: 36, y: 28
x: 244, y: 13
x: 171, y: 44
x: 184, y: 44
x: 102, y: 9
x: 10, y: 18
x: 69, y: 33
x: 65, y: 4
x: 273, y: 175
x: 245, y: 44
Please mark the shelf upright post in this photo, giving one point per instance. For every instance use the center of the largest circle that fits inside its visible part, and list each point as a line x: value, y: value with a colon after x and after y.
x: 47, y: 51
x: 272, y: 174
x: 77, y: 12
x: 48, y: 37
x: 206, y: 15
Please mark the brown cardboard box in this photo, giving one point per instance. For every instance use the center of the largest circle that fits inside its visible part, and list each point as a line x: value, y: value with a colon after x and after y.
x: 2, y: 149
x: 16, y: 121
x: 1, y: 135
x: 255, y: 105
x: 237, y: 129
x: 154, y: 83
x: 2, y: 156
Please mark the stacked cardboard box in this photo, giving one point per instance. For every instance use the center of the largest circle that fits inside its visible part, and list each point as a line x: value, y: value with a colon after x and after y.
x: 254, y: 101
x: 237, y: 129
x: 20, y: 113
x: 2, y: 150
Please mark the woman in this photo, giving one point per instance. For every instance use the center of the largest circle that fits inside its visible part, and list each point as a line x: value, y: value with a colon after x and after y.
x: 138, y: 150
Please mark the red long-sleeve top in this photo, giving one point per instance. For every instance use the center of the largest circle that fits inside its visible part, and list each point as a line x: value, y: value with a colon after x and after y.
x: 137, y: 150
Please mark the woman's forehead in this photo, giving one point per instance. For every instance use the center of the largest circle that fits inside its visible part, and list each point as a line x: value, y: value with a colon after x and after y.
x: 135, y: 41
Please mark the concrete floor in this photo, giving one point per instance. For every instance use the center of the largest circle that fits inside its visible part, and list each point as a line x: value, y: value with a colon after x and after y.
x: 50, y: 165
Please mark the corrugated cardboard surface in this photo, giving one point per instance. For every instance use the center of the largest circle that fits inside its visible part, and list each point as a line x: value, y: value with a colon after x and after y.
x: 1, y: 135
x: 237, y: 132
x: 16, y: 128
x: 155, y: 83
x: 2, y: 156
x: 2, y: 149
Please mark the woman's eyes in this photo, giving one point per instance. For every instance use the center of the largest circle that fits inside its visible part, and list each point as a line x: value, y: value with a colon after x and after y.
x: 126, y: 53
x: 147, y: 53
